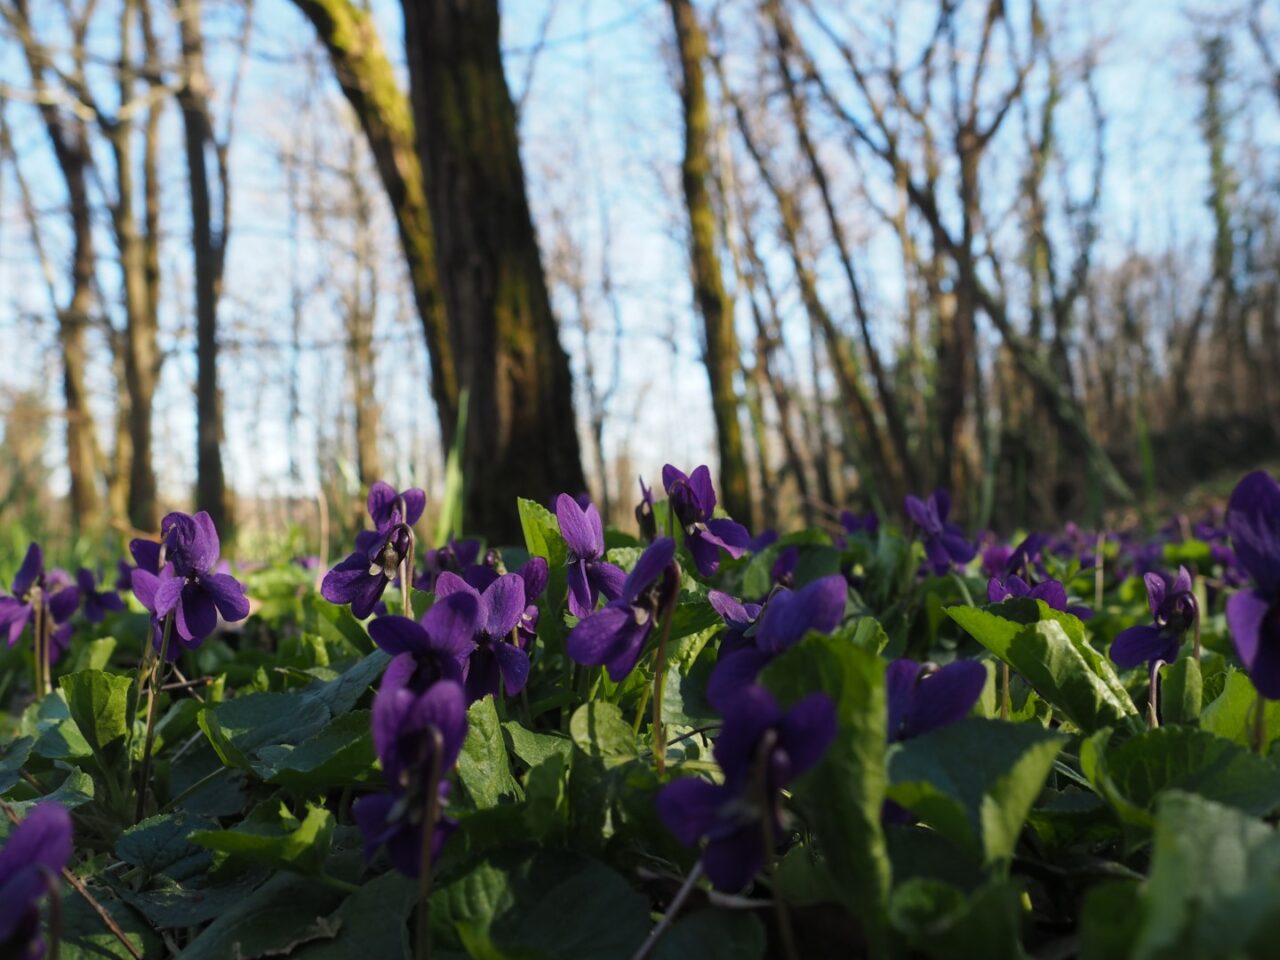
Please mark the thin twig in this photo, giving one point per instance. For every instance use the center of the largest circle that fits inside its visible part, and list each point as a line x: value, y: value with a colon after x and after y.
x: 668, y: 918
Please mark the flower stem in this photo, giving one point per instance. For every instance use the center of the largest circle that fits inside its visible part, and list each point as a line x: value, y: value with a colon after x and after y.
x: 668, y: 918
x: 1153, y: 695
x: 659, y: 683
x: 767, y: 801
x: 37, y: 646
x: 154, y: 681
x: 406, y: 577
x: 1195, y: 635
x: 423, y: 948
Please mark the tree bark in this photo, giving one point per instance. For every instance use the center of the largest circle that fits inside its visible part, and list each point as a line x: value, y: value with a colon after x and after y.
x: 69, y: 139
x: 714, y: 303
x: 208, y: 248
x: 522, y: 435
x: 139, y: 278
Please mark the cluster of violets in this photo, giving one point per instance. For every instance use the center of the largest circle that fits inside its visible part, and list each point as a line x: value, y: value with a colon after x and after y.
x: 477, y: 638
x: 179, y: 575
x: 476, y: 641
x: 56, y: 594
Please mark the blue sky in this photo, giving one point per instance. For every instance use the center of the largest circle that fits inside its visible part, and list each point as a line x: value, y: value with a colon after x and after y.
x: 601, y: 143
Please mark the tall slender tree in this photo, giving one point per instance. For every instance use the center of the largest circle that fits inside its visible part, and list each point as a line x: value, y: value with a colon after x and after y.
x: 720, y: 348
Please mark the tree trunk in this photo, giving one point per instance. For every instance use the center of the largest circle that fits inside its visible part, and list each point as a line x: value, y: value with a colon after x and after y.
x: 208, y: 249
x: 69, y: 139
x: 522, y: 437
x: 138, y: 271
x: 714, y: 303
x: 361, y: 307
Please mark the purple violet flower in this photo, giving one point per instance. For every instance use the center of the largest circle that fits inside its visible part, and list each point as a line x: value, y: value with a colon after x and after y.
x: 188, y: 585
x: 413, y: 734
x: 644, y: 514
x: 386, y: 506
x: 454, y: 557
x: 53, y: 589
x: 435, y: 648
x: 867, y: 524
x: 945, y: 544
x: 614, y: 635
x: 783, y: 572
x: 693, y: 500
x: 1253, y: 614
x: 761, y: 750
x: 497, y: 661
x: 589, y: 574
x: 995, y: 559
x: 1173, y: 612
x: 924, y: 696
x: 1052, y: 592
x: 362, y: 577
x: 739, y: 617
x: 30, y: 864
x: 787, y: 617
x: 97, y: 603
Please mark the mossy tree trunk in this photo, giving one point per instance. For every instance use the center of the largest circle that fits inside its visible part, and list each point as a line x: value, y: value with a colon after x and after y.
x: 714, y: 303
x: 449, y: 159
x: 208, y: 248
x: 522, y: 436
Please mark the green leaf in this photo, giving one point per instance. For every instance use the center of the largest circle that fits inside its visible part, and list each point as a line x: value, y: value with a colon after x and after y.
x: 1110, y: 920
x: 1133, y: 774
x: 168, y: 904
x: 372, y: 923
x: 241, y: 727
x: 844, y: 793
x: 975, y: 781
x: 533, y: 748
x: 160, y: 845
x: 227, y: 751
x: 1060, y: 665
x: 337, y: 623
x: 553, y: 905
x: 483, y: 766
x: 599, y: 730
x: 340, y: 755
x: 96, y: 654
x: 13, y: 756
x: 713, y: 935
x: 341, y: 694
x: 546, y: 805
x: 940, y: 921
x: 99, y: 704
x: 74, y: 791
x: 85, y: 936
x: 1231, y: 714
x: 280, y: 916
x: 270, y: 835
x: 1213, y: 886
x: 1181, y: 691
x: 542, y: 533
